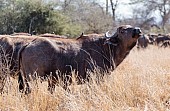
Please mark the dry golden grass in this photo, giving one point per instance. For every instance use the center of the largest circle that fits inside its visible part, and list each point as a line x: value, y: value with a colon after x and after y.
x: 140, y: 83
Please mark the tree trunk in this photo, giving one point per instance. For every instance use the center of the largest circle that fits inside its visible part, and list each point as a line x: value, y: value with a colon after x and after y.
x: 113, y: 8
x: 30, y: 26
x: 66, y: 4
x: 107, y: 7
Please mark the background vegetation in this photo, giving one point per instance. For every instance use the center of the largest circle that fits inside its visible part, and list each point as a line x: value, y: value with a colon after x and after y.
x: 72, y: 17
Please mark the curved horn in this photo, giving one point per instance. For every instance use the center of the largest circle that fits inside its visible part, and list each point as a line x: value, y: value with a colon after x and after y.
x: 107, y: 35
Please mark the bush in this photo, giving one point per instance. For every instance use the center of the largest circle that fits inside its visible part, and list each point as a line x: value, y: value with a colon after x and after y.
x: 25, y: 16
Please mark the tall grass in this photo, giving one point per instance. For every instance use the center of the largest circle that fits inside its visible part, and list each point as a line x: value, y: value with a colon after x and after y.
x: 140, y: 83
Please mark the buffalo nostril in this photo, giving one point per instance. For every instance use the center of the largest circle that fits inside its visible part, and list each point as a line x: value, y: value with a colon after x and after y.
x: 137, y: 30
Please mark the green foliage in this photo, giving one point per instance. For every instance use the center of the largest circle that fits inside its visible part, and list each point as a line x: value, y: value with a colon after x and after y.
x: 89, y: 14
x: 34, y: 15
x: 72, y: 30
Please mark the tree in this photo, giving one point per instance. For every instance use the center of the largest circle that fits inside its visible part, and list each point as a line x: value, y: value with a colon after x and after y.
x: 25, y: 16
x: 8, y: 17
x: 107, y: 7
x: 113, y: 6
x: 89, y: 14
x: 163, y: 6
x: 66, y: 4
x: 152, y: 6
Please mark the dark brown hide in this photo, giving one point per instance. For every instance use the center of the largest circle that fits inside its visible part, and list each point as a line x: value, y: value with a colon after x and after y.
x: 84, y: 54
x: 161, y: 39
x: 142, y: 42
x: 14, y: 45
x: 9, y: 48
x: 166, y: 43
x: 10, y: 45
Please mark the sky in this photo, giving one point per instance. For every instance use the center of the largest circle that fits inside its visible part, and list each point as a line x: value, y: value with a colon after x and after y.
x: 123, y: 10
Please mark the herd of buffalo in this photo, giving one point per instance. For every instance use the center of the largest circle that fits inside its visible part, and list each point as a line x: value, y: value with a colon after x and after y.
x: 159, y: 40
x: 55, y: 57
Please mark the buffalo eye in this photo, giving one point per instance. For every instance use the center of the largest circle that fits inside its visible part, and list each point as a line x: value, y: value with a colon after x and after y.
x: 122, y: 31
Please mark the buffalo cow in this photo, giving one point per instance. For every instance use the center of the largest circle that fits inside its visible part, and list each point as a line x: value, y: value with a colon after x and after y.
x: 9, y: 48
x: 165, y: 44
x: 161, y: 39
x: 60, y: 57
x: 142, y: 42
x: 152, y: 38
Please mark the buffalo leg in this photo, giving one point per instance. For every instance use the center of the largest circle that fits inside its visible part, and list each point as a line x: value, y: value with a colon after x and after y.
x: 21, y: 83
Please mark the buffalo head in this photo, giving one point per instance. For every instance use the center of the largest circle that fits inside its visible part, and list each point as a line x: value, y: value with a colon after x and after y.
x: 126, y: 36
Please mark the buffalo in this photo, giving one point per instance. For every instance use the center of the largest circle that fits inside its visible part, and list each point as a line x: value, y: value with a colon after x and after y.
x: 142, y: 42
x: 9, y: 48
x: 165, y: 44
x: 161, y: 39
x: 60, y: 57
x: 151, y: 39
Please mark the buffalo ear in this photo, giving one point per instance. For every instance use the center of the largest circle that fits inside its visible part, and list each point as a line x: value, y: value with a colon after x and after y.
x: 109, y: 42
x: 115, y: 40
x: 119, y: 29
